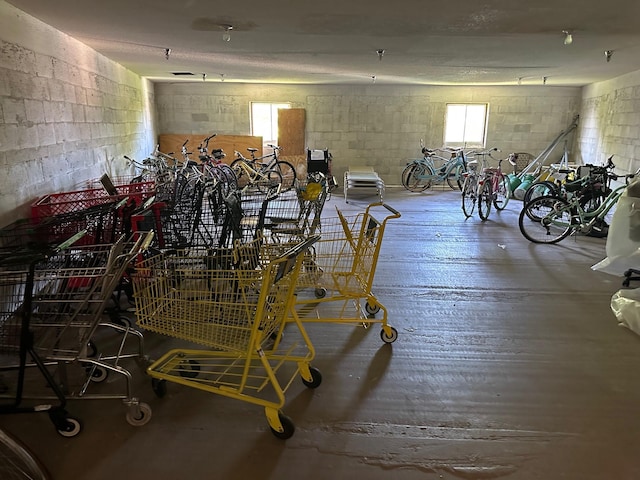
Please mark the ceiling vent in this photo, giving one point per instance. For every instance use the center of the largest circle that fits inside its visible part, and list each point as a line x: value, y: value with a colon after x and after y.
x: 182, y: 74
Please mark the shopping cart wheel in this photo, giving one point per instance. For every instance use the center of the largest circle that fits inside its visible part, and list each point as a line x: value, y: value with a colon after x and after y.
x: 159, y: 387
x: 92, y: 349
x: 372, y: 309
x: 190, y: 371
x: 391, y: 337
x: 321, y: 292
x: 140, y: 417
x: 123, y: 321
x: 288, y: 427
x: 69, y: 427
x: 98, y: 374
x: 316, y: 378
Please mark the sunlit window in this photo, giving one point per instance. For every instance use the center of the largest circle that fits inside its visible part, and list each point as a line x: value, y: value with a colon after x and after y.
x: 264, y: 120
x: 466, y: 125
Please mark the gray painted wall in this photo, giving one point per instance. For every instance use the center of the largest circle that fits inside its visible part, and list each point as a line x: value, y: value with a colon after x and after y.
x: 67, y: 113
x: 375, y: 125
x: 611, y: 123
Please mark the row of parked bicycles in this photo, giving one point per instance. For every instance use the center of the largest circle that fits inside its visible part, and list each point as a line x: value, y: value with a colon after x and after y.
x: 263, y: 172
x: 560, y: 202
x: 470, y: 172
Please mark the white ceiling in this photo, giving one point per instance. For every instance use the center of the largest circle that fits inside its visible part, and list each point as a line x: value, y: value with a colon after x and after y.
x: 454, y: 42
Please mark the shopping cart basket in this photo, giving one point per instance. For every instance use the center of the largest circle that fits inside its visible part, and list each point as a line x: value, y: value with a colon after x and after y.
x: 101, y: 223
x: 296, y: 214
x: 222, y: 301
x: 51, y: 306
x: 338, y: 272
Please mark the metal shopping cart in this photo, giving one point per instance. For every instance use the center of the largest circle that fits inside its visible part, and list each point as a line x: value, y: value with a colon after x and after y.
x: 338, y: 272
x: 296, y: 214
x: 229, y: 302
x: 50, y: 308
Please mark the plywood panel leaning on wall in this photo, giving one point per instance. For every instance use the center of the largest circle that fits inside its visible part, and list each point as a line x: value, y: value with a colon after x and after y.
x: 172, y: 143
x: 291, y: 138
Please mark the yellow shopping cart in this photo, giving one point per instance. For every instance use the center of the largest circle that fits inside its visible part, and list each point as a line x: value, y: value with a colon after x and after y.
x: 338, y: 271
x: 236, y: 304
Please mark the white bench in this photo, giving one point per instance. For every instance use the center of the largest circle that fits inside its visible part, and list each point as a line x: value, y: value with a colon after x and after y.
x: 360, y: 178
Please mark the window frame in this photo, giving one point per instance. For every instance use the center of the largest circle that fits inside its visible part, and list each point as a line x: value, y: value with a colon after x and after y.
x: 273, y: 123
x: 466, y: 143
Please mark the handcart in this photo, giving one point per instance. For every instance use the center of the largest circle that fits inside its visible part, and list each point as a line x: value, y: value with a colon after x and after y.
x: 337, y: 274
x: 52, y: 304
x: 237, y: 309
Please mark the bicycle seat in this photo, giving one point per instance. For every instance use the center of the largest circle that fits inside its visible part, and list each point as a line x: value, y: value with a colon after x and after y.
x: 427, y: 151
x: 252, y: 150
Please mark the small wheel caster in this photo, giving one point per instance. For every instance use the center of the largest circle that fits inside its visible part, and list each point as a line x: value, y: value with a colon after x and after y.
x: 288, y: 428
x: 159, y: 387
x: 142, y: 417
x: 92, y: 349
x: 123, y: 321
x: 372, y: 309
x: 316, y: 378
x: 321, y: 292
x: 389, y: 338
x: 98, y: 374
x: 71, y: 428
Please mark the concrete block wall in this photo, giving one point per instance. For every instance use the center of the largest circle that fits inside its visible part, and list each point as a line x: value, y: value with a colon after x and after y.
x: 610, y: 123
x: 67, y: 113
x: 376, y: 125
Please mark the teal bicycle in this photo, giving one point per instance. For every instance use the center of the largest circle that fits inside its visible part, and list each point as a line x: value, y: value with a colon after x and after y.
x: 433, y: 168
x: 550, y: 218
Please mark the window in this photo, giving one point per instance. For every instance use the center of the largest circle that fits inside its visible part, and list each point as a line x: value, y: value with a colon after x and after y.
x: 466, y: 125
x: 264, y: 121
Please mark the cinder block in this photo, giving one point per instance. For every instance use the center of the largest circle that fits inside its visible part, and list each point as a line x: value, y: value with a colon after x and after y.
x: 14, y: 110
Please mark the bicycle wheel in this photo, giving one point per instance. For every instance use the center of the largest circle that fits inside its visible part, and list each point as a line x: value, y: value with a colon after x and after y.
x: 539, y: 189
x: 455, y: 178
x: 288, y: 173
x: 242, y: 178
x: 269, y: 180
x: 501, y: 192
x: 417, y: 177
x: 17, y: 462
x: 485, y: 199
x: 229, y: 177
x: 553, y: 220
x: 469, y: 194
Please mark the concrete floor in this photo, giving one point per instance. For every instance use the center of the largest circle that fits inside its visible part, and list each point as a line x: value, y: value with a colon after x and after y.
x: 509, y: 364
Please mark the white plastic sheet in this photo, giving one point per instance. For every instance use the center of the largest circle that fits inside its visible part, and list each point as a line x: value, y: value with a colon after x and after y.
x: 623, y: 239
x: 625, y: 304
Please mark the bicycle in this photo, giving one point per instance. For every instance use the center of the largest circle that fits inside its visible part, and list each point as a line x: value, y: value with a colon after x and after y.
x: 421, y: 173
x: 591, y: 188
x: 18, y: 462
x: 550, y: 219
x: 250, y: 175
x: 487, y: 188
x: 286, y: 171
x: 592, y: 184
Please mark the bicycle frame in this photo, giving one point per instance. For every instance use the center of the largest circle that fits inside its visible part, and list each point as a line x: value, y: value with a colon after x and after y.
x: 440, y: 173
x: 270, y: 165
x: 586, y: 219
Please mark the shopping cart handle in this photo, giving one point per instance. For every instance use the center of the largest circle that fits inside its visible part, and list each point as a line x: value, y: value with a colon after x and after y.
x: 391, y: 209
x: 301, y: 247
